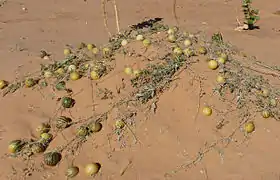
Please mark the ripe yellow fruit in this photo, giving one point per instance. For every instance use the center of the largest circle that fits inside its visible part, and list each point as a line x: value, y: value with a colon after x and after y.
x: 265, y: 92
x: 119, y: 124
x: 139, y: 37
x: 224, y: 56
x: 74, y: 76
x: 67, y: 52
x: 48, y: 74
x: 90, y: 47
x: 95, y: 50
x: 60, y: 71
x: 15, y: 146
x: 187, y: 43
x: 273, y: 102
x: 94, y: 75
x: 221, y: 60
x: 86, y: 66
x: 249, y: 127
x: 124, y: 42
x: 146, y: 42
x: 136, y: 73
x: 189, y: 52
x: 220, y: 79
x: 46, y: 137
x: 29, y: 82
x: 106, y: 51
x: 207, y: 111
x: 3, y: 84
x: 172, y: 30
x: 212, y: 64
x: 128, y: 70
x: 202, y: 50
x: 171, y: 38
x: 178, y: 51
x: 92, y: 169
x: 72, y: 68
x: 265, y: 114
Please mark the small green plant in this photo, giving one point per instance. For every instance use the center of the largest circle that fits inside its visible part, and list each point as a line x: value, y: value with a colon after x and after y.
x: 251, y: 14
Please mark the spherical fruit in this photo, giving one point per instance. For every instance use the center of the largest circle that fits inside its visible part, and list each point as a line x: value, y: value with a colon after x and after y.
x: 67, y: 102
x: 106, y: 51
x: 178, y: 51
x: 86, y: 66
x: 265, y: 114
x: 146, y: 42
x: 43, y: 128
x: 212, y: 64
x: 249, y: 127
x: 124, y: 42
x: 15, y: 146
x: 172, y: 30
x: 95, y: 127
x: 265, y: 92
x: 63, y: 122
x: 37, y: 148
x: 30, y: 82
x: 72, y: 171
x: 171, y: 38
x: 3, y: 84
x: 221, y: 60
x: 224, y: 56
x: 48, y: 74
x: 95, y: 50
x: 94, y: 75
x: 273, y: 102
x: 46, y: 137
x: 71, y: 68
x: 128, y: 70
x: 136, y: 73
x: 60, y: 71
x: 74, y: 76
x: 188, y: 52
x: 82, y: 132
x: 187, y: 43
x: 220, y: 79
x: 60, y: 86
x: 67, y: 52
x: 207, y: 111
x: 120, y: 124
x: 139, y: 37
x: 202, y: 50
x: 90, y: 47
x: 52, y: 158
x: 92, y: 169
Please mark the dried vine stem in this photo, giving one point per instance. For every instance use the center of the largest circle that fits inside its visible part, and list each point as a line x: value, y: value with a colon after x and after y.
x: 103, y: 6
x: 117, y: 16
x: 174, y: 12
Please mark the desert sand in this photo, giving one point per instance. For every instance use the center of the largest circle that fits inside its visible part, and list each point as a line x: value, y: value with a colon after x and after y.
x: 167, y: 138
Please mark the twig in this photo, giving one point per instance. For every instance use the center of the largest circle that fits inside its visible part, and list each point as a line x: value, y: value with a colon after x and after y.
x: 174, y: 12
x: 199, y: 98
x: 208, y: 148
x: 274, y: 74
x: 103, y: 5
x: 117, y: 16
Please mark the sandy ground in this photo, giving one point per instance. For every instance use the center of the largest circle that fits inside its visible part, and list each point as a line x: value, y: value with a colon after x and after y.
x: 168, y: 138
